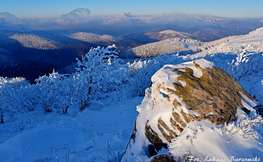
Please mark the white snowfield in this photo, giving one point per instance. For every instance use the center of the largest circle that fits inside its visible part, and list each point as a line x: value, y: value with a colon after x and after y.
x: 88, y: 136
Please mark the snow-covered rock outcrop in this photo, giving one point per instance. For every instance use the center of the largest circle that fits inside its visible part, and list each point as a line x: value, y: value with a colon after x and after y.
x: 179, y: 95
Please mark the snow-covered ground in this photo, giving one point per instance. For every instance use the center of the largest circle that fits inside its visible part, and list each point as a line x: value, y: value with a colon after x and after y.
x: 92, y: 135
x: 204, y: 141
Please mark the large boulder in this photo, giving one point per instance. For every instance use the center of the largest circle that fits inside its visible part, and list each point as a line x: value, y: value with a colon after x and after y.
x: 180, y: 94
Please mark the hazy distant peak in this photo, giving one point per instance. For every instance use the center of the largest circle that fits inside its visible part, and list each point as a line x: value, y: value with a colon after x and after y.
x: 13, y: 29
x: 94, y: 38
x: 5, y: 28
x: 175, y: 33
x: 166, y: 34
x: 169, y: 32
x: 34, y: 41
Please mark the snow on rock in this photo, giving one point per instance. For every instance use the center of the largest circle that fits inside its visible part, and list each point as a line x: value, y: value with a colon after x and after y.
x: 207, y: 93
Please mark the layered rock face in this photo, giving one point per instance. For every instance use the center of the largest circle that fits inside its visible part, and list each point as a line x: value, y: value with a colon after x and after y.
x: 180, y: 94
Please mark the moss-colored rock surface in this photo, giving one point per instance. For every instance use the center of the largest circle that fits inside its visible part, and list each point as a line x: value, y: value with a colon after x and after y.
x: 216, y: 92
x: 163, y: 158
x: 215, y: 96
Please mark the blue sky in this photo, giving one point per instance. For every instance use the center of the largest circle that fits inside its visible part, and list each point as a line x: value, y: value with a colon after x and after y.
x: 55, y: 8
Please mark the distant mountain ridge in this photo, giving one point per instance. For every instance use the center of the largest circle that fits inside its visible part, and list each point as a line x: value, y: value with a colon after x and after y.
x: 166, y: 34
x: 232, y: 44
x: 182, y: 46
x: 149, y: 37
x: 32, y: 53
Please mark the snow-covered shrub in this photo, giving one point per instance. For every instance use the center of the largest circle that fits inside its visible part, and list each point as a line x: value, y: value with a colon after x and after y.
x: 46, y: 88
x: 140, y: 74
x: 141, y: 71
x: 239, y: 66
x: 12, y: 97
x: 93, y: 73
x: 57, y: 92
x: 99, y: 74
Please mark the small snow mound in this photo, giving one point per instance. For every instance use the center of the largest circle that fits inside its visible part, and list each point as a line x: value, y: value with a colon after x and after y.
x: 204, y: 63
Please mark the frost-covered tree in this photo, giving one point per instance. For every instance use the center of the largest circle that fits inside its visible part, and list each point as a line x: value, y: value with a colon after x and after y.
x: 10, y: 97
x: 93, y: 73
x: 55, y: 92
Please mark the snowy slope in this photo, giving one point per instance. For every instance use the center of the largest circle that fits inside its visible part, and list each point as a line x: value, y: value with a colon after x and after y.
x: 94, y: 38
x: 251, y: 42
x: 88, y: 136
x: 204, y: 140
x: 166, y: 34
x: 181, y: 45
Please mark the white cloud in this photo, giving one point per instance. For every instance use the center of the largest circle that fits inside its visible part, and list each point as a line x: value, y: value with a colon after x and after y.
x: 8, y: 19
x: 121, y: 24
x: 76, y: 14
